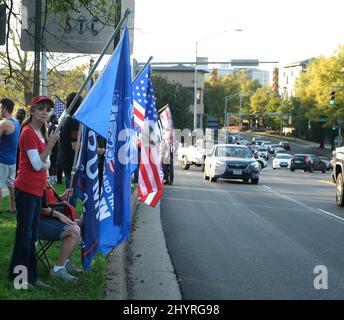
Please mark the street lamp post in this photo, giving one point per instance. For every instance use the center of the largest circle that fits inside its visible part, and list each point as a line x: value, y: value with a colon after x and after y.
x: 195, y: 93
x: 227, y: 98
x: 195, y: 84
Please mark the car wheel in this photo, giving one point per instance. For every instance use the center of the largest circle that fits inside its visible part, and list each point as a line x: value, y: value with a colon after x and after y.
x: 323, y: 171
x: 185, y: 164
x: 245, y: 180
x: 311, y: 170
x: 254, y: 180
x: 339, y: 191
x: 274, y: 168
x: 211, y: 178
x: 292, y: 169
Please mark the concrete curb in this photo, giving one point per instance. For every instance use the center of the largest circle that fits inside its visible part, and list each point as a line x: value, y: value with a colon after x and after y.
x: 115, y: 286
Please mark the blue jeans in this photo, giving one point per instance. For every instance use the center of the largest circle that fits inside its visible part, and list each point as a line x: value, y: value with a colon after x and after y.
x: 24, y: 250
x: 68, y: 175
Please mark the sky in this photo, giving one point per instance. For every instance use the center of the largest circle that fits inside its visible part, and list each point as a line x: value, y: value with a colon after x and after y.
x: 272, y: 30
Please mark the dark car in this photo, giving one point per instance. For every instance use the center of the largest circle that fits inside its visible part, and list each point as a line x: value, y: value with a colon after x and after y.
x: 285, y: 145
x: 307, y: 162
x: 327, y: 162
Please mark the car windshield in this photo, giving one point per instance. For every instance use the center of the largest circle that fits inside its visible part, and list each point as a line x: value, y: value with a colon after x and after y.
x: 283, y: 156
x: 232, y: 151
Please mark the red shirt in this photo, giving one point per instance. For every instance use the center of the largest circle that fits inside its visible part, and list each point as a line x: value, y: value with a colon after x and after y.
x: 29, y: 180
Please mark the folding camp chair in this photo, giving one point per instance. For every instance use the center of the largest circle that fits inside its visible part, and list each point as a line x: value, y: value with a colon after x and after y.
x: 41, y: 252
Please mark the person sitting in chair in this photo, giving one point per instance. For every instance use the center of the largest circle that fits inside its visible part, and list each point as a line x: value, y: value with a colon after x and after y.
x: 54, y: 226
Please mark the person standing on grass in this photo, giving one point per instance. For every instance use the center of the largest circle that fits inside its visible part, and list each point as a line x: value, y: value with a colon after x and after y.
x: 35, y: 148
x: 68, y: 144
x: 9, y: 137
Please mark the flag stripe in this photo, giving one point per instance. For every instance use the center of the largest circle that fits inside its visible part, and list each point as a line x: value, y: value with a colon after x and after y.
x: 150, y: 173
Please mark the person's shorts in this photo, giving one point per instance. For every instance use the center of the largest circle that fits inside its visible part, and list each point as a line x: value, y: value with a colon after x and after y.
x: 7, y: 175
x: 51, y: 229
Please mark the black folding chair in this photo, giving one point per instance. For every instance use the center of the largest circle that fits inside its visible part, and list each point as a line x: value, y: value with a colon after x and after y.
x: 41, y: 252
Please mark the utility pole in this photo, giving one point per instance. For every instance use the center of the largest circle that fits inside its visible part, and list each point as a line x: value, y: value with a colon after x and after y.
x: 195, y: 92
x: 38, y: 46
x: 240, y: 108
x: 44, y: 74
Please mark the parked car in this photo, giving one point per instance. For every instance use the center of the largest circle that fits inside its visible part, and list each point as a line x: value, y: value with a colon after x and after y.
x: 282, y: 160
x: 285, y: 145
x: 307, y: 162
x: 327, y: 162
x: 227, y: 161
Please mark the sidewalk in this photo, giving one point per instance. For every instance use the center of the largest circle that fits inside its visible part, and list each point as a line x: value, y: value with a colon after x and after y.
x: 141, y: 269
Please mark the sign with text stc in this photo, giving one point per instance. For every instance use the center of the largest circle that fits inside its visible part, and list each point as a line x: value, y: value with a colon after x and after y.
x: 82, y: 31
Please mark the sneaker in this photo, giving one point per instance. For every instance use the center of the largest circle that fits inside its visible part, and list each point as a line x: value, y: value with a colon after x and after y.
x: 72, y: 269
x: 63, y: 274
x: 41, y: 284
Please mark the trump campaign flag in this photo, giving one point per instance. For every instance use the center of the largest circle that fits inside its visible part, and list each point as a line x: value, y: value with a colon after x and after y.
x: 86, y: 187
x: 150, y: 172
x: 107, y: 109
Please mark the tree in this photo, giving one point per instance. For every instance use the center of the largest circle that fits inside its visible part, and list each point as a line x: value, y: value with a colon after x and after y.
x: 231, y: 85
x: 177, y: 97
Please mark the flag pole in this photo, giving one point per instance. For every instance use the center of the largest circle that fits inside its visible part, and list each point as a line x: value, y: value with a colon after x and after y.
x: 163, y: 108
x: 149, y: 60
x: 114, y: 34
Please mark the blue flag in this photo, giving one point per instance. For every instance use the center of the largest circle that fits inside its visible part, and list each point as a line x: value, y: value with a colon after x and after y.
x: 86, y: 187
x: 108, y: 110
x: 94, y: 111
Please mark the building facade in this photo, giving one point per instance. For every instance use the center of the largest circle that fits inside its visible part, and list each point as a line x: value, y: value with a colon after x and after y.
x: 290, y: 74
x: 185, y: 76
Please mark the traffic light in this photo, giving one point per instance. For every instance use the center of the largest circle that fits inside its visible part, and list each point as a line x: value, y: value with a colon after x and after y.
x: 332, y: 98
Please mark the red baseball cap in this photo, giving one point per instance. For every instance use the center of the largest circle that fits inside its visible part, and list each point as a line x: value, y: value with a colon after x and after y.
x: 39, y: 99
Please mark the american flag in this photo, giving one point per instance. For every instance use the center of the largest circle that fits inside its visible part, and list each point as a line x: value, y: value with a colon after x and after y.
x: 167, y: 124
x: 146, y: 122
x: 58, y: 107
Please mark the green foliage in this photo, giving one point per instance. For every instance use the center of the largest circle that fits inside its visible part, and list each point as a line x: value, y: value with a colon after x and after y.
x: 100, y: 8
x: 178, y: 98
x: 214, y: 95
x: 89, y: 286
x: 313, y: 91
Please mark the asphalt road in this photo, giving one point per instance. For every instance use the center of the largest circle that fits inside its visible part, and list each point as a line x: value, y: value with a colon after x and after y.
x: 230, y: 240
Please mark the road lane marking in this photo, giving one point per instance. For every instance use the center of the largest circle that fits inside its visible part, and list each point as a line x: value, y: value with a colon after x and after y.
x: 266, y: 187
x: 331, y: 215
x: 191, y: 188
x: 306, y: 206
x: 197, y: 201
x: 327, y: 182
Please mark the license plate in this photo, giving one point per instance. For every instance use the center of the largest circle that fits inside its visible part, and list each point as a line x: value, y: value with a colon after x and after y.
x: 237, y: 172
x: 297, y: 161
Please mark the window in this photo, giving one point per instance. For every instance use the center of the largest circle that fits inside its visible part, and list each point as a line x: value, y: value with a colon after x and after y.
x: 198, y: 120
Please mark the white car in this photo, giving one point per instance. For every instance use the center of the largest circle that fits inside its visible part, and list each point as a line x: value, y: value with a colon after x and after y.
x: 282, y: 160
x: 229, y: 161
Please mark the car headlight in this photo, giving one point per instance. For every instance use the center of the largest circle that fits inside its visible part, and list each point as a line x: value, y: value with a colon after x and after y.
x: 219, y: 163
